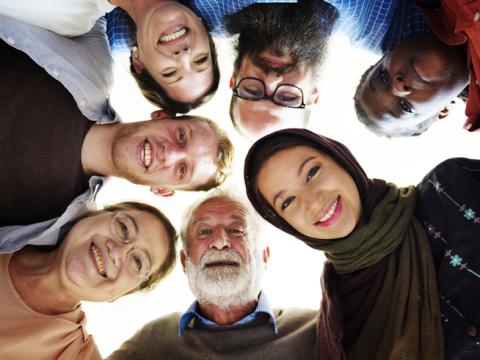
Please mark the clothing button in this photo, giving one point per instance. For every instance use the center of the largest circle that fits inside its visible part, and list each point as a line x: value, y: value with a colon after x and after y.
x: 471, y: 331
x: 11, y: 40
x: 55, y: 72
x: 476, y: 16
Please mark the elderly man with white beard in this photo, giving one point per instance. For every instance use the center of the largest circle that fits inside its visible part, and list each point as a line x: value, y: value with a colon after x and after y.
x: 231, y: 319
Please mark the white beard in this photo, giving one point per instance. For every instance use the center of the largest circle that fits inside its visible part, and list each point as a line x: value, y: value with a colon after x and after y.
x: 226, y: 287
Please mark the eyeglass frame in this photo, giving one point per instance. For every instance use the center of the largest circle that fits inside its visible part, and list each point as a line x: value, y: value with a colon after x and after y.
x: 131, y: 239
x: 269, y: 97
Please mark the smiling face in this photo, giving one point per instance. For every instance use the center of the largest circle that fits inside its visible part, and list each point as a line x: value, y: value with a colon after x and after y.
x: 412, y: 83
x: 173, y: 154
x: 223, y: 266
x: 173, y: 46
x: 311, y: 192
x: 256, y: 118
x: 97, y: 264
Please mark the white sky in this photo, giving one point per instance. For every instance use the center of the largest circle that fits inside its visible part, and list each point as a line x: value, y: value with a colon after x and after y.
x: 293, y: 275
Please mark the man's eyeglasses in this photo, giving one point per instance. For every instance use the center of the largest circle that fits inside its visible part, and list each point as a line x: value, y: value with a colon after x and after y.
x: 253, y: 89
x: 124, y: 230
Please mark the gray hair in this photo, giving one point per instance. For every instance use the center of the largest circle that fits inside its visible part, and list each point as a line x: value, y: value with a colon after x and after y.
x: 253, y: 221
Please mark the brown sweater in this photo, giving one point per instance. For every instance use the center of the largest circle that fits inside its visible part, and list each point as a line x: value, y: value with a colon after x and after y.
x: 160, y: 340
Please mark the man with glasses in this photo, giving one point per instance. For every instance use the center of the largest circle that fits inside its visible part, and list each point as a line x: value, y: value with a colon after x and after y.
x: 279, y: 52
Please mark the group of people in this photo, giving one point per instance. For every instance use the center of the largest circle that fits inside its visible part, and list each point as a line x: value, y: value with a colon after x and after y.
x: 402, y: 275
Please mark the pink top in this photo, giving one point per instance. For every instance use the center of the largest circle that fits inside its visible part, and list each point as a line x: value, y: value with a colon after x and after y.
x: 27, y: 334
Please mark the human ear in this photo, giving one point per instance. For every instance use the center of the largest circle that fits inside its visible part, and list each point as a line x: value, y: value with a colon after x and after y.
x: 165, y: 192
x: 314, y: 96
x: 162, y: 114
x: 443, y: 113
x: 183, y: 258
x: 136, y: 63
x: 232, y: 81
x: 266, y: 255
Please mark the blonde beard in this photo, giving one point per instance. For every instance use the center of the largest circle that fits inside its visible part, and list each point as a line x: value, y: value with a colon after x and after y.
x: 226, y: 287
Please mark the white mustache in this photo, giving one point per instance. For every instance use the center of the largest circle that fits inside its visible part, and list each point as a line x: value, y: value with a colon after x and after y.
x: 211, y: 256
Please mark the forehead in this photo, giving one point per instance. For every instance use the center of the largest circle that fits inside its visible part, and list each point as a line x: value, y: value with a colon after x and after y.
x: 287, y: 162
x: 219, y: 209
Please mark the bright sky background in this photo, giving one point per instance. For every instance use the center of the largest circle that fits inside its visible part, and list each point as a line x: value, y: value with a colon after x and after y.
x: 293, y: 275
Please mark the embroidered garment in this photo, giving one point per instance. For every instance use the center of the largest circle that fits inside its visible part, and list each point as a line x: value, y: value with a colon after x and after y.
x: 448, y: 205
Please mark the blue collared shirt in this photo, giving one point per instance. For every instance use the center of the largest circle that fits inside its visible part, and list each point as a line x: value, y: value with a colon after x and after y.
x: 263, y: 306
x: 377, y: 25
x: 121, y: 28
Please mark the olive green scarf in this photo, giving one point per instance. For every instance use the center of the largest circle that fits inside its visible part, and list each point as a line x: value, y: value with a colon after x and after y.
x: 405, y: 322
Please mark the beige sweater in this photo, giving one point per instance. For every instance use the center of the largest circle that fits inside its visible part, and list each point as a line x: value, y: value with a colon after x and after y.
x: 26, y: 334
x: 160, y: 340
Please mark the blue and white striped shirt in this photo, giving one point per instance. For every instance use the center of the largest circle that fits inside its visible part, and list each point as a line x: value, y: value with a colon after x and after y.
x: 121, y: 28
x: 377, y: 25
x: 263, y: 306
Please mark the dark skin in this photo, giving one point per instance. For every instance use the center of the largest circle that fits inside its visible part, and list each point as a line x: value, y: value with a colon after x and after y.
x: 413, y: 82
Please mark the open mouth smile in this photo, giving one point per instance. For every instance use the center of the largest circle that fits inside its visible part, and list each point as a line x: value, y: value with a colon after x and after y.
x: 98, y: 260
x: 331, y: 214
x: 174, y: 35
x: 146, y: 154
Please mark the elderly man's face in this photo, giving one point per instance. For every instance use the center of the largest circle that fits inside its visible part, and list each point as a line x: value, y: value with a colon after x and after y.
x: 223, y: 263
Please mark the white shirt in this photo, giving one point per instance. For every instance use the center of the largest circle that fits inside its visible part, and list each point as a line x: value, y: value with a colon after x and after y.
x: 64, y: 17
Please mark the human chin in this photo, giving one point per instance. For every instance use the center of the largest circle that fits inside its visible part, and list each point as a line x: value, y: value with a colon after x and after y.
x: 227, y: 287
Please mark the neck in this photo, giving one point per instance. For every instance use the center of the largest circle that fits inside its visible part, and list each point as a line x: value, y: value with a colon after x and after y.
x: 97, y: 149
x: 227, y: 316
x: 136, y: 9
x: 34, y: 274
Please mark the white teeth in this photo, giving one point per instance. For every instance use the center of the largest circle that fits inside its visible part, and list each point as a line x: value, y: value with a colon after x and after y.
x: 146, y: 154
x: 98, y: 260
x: 173, y: 35
x: 330, y: 212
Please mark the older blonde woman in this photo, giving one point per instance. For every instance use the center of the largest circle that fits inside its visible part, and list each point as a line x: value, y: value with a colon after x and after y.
x: 101, y: 257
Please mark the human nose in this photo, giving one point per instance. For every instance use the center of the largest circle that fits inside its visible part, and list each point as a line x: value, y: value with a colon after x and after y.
x: 172, y: 154
x: 401, y: 86
x: 272, y: 80
x: 182, y: 54
x: 116, y: 251
x: 220, y: 240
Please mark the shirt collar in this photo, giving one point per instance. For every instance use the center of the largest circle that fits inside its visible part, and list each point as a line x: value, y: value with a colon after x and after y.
x: 263, y: 306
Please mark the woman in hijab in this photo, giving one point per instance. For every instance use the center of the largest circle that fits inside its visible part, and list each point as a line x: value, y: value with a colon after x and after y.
x: 103, y: 256
x: 399, y: 259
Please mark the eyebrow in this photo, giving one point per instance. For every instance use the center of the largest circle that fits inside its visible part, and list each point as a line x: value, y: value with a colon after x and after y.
x: 302, y: 165
x: 133, y: 221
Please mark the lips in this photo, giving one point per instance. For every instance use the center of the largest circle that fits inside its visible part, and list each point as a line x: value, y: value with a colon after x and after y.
x: 97, y: 259
x: 330, y: 213
x: 146, y: 154
x: 419, y: 72
x: 221, y: 263
x: 173, y: 35
x: 274, y: 62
